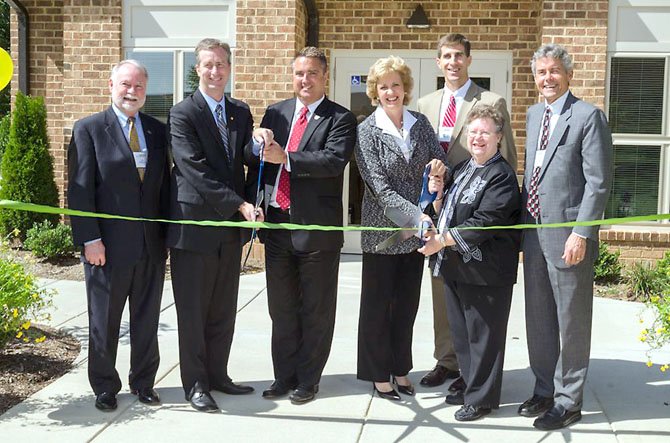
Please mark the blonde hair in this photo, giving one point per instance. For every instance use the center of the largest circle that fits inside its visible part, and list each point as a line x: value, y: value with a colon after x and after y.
x: 385, y: 66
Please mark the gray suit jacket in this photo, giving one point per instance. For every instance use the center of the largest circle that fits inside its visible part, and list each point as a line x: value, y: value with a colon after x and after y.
x: 392, y: 181
x: 429, y: 105
x: 576, y: 175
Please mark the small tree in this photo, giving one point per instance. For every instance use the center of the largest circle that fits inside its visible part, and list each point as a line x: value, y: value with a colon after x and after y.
x: 5, y: 122
x: 27, y: 166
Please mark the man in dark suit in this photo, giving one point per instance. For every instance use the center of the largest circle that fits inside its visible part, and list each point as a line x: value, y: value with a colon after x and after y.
x: 308, y: 142
x: 448, y: 110
x: 567, y: 178
x: 118, y: 164
x: 208, y: 132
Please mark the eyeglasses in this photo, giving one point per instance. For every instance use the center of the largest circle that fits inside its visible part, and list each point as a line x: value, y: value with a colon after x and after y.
x: 483, y: 134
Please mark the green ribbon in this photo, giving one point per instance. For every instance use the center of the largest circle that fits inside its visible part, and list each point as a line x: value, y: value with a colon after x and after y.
x: 31, y: 207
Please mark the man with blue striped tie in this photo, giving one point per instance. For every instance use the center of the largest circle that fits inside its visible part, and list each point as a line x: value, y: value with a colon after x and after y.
x: 208, y: 132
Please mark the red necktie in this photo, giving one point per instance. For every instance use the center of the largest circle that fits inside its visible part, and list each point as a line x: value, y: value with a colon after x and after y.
x: 283, y: 196
x: 449, y: 120
x: 533, y: 204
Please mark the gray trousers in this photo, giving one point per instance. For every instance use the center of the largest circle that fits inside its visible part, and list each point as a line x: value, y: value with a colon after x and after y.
x: 559, y: 306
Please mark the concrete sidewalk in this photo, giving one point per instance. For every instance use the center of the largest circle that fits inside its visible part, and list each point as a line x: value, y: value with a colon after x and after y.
x: 624, y: 402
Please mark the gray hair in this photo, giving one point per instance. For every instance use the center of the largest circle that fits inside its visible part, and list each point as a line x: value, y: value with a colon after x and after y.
x: 129, y: 61
x: 552, y: 50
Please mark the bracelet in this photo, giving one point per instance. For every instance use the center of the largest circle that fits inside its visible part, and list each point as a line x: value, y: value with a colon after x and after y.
x: 443, y: 241
x: 439, y: 199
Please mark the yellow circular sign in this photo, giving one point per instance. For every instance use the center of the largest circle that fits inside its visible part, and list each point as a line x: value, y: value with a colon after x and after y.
x: 6, y: 68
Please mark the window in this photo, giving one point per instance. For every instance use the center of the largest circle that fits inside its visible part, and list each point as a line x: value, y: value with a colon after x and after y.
x: 638, y: 106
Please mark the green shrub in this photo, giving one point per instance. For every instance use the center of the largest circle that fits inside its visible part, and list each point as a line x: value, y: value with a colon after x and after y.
x: 644, y: 281
x: 21, y: 301
x: 657, y: 334
x: 607, y: 267
x: 5, y: 122
x: 27, y: 167
x: 46, y: 241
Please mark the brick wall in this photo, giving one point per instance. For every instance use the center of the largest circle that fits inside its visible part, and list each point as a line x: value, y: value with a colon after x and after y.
x: 46, y: 70
x: 266, y: 43
x: 580, y: 26
x: 639, y: 245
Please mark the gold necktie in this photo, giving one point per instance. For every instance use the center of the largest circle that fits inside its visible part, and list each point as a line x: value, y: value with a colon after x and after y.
x: 135, y: 143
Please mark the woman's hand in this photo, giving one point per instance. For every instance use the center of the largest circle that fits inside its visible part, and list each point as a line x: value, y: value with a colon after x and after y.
x: 437, y: 168
x: 431, y: 245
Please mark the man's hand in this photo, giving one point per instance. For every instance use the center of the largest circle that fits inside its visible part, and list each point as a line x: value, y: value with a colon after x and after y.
x: 575, y: 250
x: 94, y: 253
x: 248, y: 211
x: 260, y: 217
x: 265, y: 135
x: 273, y: 153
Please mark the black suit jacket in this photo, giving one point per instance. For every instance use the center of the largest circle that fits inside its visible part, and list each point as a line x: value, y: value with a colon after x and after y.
x: 102, y: 177
x: 490, y: 197
x: 317, y: 169
x: 203, y: 185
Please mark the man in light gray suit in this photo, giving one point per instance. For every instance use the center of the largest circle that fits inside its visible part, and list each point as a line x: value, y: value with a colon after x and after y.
x: 567, y: 178
x: 447, y: 110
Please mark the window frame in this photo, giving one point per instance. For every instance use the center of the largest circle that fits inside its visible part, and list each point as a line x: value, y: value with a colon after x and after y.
x: 662, y: 139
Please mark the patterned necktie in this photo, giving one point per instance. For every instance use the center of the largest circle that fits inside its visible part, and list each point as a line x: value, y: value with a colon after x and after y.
x: 284, y: 188
x: 533, y: 204
x: 134, y: 142
x: 223, y: 130
x: 449, y: 120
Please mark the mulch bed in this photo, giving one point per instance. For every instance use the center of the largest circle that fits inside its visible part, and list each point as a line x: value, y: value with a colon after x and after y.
x: 26, y: 368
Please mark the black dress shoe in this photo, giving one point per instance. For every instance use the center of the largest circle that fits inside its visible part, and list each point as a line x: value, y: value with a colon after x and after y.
x: 457, y: 398
x: 105, y: 401
x: 148, y: 396
x: 438, y: 376
x: 458, y: 385
x: 404, y: 389
x: 202, y: 400
x: 535, y: 406
x: 303, y: 394
x: 278, y: 389
x: 230, y: 388
x: 388, y: 395
x: 470, y: 413
x: 557, y: 418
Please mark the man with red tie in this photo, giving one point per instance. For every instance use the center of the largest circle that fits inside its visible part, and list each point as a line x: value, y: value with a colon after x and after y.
x: 447, y: 110
x: 308, y: 141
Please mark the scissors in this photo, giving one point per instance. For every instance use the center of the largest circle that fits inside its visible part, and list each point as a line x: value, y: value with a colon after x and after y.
x: 259, y: 200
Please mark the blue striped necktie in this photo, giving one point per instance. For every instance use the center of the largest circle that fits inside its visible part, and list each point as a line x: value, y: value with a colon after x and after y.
x: 223, y: 130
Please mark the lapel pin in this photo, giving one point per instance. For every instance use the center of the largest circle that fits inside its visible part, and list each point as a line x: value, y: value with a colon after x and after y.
x: 317, y: 116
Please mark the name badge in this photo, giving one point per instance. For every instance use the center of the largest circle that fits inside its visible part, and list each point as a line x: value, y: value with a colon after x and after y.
x: 539, y: 158
x: 444, y: 134
x: 140, y: 159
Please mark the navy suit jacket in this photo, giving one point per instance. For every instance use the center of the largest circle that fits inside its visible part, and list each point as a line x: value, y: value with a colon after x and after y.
x: 102, y: 177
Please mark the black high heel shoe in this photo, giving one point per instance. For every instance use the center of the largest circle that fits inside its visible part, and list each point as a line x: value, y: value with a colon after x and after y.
x: 389, y: 395
x: 404, y: 389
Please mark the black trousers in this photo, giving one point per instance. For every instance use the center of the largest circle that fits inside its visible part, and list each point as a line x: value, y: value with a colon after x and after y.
x: 478, y: 319
x: 205, y: 294
x: 107, y: 288
x: 390, y: 289
x: 302, y: 296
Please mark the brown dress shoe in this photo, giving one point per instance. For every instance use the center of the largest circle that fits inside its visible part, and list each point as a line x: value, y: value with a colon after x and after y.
x: 438, y: 376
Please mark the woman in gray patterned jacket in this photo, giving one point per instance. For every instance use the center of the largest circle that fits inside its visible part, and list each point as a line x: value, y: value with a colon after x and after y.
x: 394, y: 146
